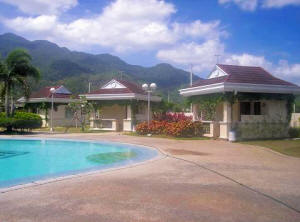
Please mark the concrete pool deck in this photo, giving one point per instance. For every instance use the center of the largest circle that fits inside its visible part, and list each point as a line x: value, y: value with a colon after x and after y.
x: 198, y: 180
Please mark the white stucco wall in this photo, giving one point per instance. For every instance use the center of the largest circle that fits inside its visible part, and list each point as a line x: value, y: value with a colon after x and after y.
x: 271, y: 110
x: 117, y: 112
x: 59, y: 117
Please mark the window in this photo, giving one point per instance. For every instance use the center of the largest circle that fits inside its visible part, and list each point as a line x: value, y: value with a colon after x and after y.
x: 257, y: 108
x: 245, y: 108
x: 250, y: 108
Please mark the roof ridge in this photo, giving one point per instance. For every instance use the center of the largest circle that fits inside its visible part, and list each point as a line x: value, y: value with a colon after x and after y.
x: 228, y: 74
x: 238, y: 65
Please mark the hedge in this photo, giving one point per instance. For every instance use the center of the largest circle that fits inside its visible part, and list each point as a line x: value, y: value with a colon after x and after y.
x: 21, y: 120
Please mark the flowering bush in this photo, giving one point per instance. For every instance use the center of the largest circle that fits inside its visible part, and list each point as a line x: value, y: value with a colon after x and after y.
x: 142, y: 128
x: 184, y: 128
x: 172, y: 117
x: 155, y: 127
x: 181, y: 128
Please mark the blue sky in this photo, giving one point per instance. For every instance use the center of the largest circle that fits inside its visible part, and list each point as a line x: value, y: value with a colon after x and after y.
x: 181, y: 32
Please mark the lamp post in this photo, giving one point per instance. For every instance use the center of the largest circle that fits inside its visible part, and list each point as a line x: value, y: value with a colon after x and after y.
x: 52, y: 91
x: 149, y: 90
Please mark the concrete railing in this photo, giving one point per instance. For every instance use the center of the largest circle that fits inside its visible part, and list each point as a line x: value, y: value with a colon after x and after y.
x: 127, y: 125
x: 295, y: 120
x: 211, y: 129
x: 103, y: 124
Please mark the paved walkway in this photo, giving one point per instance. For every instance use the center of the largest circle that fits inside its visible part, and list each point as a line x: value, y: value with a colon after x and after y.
x: 197, y: 181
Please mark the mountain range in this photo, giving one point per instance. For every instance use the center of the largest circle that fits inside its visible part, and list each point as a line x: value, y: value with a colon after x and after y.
x: 75, y: 70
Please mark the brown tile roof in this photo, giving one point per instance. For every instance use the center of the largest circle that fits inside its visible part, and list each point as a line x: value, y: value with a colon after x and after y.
x: 204, y: 82
x: 130, y: 88
x: 45, y: 93
x: 244, y: 74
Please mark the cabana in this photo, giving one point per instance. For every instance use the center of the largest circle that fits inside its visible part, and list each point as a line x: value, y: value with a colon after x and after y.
x: 245, y: 99
x: 40, y: 102
x: 119, y: 106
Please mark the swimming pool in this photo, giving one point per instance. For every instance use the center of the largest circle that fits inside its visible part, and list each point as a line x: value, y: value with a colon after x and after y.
x: 27, y: 160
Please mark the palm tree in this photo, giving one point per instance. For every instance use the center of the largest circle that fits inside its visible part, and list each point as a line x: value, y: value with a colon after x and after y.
x: 16, y: 71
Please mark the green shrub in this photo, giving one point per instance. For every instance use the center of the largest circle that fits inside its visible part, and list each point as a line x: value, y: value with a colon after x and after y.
x: 4, y: 121
x: 21, y: 120
x: 294, y: 132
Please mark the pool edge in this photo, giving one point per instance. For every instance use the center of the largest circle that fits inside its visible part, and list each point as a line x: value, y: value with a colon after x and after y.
x: 160, y: 155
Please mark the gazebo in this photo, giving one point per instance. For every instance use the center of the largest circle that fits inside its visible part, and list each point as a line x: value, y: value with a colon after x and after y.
x: 120, y: 105
x: 40, y: 102
x: 246, y: 99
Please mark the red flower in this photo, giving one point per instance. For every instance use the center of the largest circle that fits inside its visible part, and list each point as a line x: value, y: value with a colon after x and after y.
x: 179, y: 128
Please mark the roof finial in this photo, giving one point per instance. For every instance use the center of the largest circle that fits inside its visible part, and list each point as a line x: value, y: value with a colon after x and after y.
x: 218, y: 56
x: 191, y: 75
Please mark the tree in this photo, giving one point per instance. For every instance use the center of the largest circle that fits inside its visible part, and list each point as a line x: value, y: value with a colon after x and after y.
x: 80, y: 109
x: 16, y: 70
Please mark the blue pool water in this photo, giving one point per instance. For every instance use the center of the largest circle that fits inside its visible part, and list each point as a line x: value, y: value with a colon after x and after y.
x: 27, y: 160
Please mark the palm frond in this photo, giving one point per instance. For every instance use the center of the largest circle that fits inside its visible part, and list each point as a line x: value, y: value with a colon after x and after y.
x: 25, y: 86
x: 17, y: 56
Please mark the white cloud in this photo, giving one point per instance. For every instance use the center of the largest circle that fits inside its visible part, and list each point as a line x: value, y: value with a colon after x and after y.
x: 247, y: 60
x: 134, y: 25
x: 40, y: 7
x: 282, y: 70
x: 196, y: 29
x: 249, y: 5
x: 38, y: 24
x: 288, y: 70
x: 123, y: 25
x: 202, y: 56
x: 279, y: 3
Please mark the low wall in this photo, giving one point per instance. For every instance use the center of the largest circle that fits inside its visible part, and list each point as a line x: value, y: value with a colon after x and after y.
x: 248, y: 131
x: 295, y: 120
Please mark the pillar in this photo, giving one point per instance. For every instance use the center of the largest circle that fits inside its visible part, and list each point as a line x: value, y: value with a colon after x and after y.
x: 195, y: 111
x: 128, y: 112
x: 225, y: 126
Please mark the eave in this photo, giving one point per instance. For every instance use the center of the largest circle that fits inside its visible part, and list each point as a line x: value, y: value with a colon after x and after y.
x: 239, y: 87
x: 123, y: 96
x: 47, y: 100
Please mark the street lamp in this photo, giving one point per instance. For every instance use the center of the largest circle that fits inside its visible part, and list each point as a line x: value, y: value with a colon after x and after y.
x: 52, y: 91
x: 149, y: 90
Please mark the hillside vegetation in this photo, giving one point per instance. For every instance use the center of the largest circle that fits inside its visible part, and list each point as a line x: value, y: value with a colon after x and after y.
x: 75, y: 70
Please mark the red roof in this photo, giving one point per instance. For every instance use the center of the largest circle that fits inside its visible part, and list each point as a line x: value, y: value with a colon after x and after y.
x: 45, y: 93
x: 130, y: 88
x: 244, y: 74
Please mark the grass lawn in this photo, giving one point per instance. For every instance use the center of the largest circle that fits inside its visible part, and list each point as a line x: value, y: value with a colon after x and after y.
x: 168, y: 137
x: 288, y: 146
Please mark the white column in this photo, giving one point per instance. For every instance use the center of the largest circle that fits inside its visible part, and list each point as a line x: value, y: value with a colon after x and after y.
x: 226, y: 124
x: 127, y: 123
x: 195, y: 111
x: 227, y: 112
x: 129, y: 112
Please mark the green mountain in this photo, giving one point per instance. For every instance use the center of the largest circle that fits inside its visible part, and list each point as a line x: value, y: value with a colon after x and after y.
x: 75, y: 70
